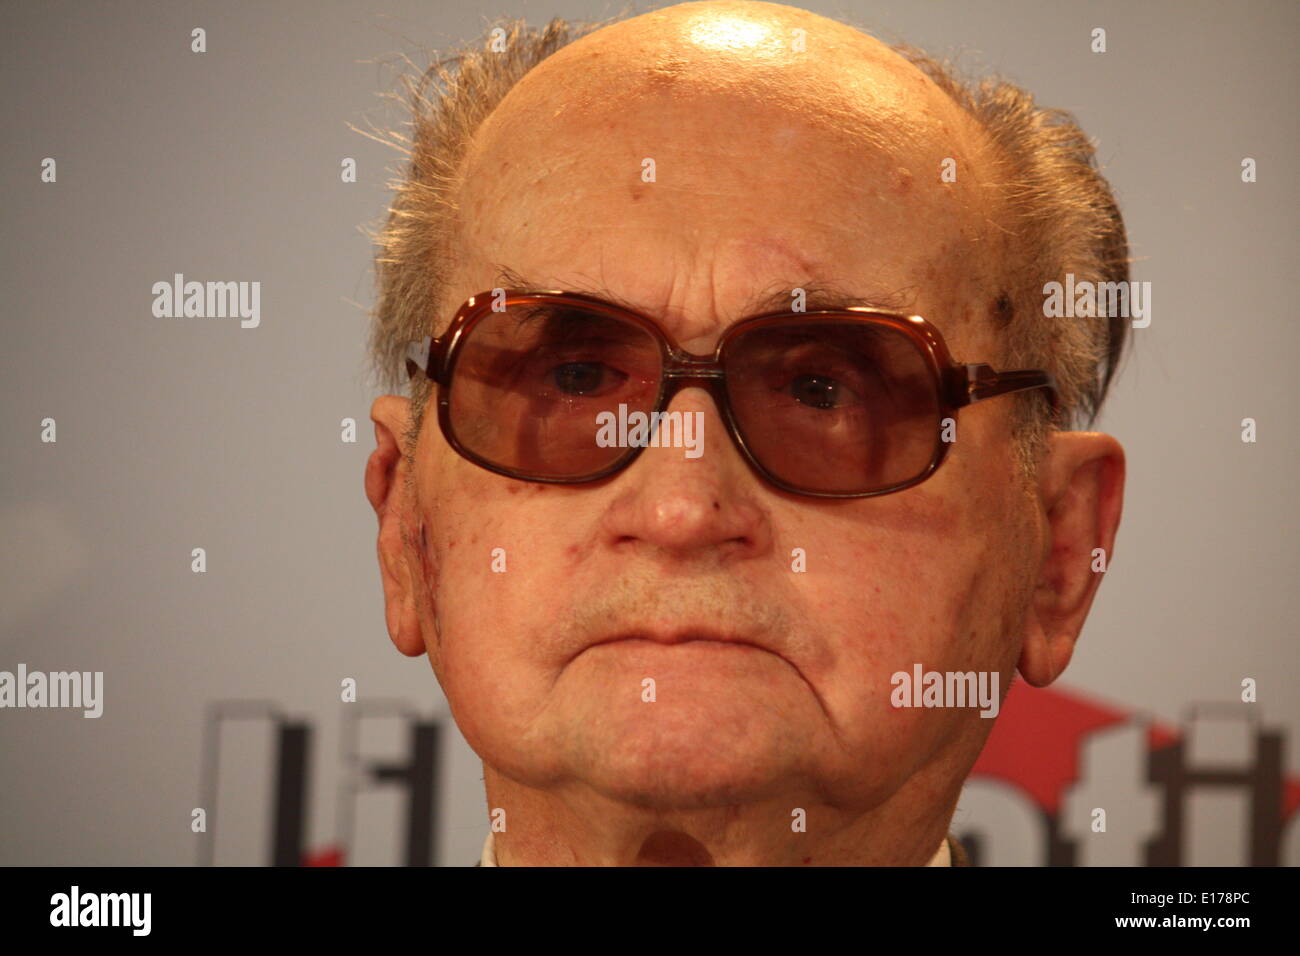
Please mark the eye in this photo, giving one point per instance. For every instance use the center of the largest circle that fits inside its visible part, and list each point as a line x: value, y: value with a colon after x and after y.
x: 584, y: 378
x: 820, y: 391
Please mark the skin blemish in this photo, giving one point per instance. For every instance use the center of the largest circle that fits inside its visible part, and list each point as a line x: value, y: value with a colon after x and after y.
x: 665, y: 73
x: 1002, y: 310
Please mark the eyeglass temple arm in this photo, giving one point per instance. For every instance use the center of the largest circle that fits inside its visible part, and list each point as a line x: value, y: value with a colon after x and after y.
x: 975, y: 383
x: 425, y: 354
x: 420, y: 355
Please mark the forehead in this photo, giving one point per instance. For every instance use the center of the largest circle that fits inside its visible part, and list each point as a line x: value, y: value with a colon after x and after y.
x: 664, y: 180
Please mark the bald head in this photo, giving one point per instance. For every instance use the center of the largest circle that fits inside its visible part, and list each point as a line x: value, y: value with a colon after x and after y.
x: 764, y: 54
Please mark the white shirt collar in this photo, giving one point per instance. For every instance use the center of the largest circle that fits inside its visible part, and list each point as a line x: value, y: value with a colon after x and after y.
x: 942, y: 856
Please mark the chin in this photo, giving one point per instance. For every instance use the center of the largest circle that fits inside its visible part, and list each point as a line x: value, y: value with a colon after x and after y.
x: 685, y: 771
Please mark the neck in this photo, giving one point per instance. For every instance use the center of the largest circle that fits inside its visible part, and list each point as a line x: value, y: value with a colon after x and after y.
x: 576, y: 826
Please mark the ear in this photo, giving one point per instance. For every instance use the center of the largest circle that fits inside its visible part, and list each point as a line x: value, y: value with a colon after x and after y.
x: 386, y: 490
x: 1081, y: 489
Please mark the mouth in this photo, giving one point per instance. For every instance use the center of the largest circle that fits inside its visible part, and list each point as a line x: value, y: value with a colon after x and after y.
x: 704, y: 635
x: 693, y: 636
x: 688, y: 635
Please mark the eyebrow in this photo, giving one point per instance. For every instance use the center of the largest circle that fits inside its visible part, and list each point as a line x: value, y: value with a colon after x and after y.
x: 775, y: 297
x: 825, y: 295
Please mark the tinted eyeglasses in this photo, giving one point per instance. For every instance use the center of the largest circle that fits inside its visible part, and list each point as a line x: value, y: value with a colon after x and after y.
x: 844, y: 403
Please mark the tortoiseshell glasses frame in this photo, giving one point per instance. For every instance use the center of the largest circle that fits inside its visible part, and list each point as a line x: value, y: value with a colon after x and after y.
x: 923, y: 372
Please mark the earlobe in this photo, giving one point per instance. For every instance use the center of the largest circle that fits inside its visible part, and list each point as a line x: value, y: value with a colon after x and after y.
x: 400, y: 612
x: 1081, y: 489
x: 1043, y: 658
x: 386, y: 491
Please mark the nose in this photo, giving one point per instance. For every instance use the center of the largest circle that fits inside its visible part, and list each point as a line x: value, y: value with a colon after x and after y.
x: 671, y: 504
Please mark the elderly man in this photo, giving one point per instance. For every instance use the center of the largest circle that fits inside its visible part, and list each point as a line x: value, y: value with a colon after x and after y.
x: 729, y: 636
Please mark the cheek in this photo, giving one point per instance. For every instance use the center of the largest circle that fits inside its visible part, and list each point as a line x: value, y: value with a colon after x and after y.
x: 497, y: 584
x: 923, y: 581
x: 899, y: 597
x: 901, y: 604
